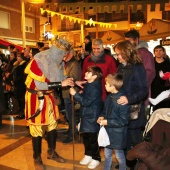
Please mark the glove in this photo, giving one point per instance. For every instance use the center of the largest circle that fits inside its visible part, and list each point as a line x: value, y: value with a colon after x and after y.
x: 53, y: 85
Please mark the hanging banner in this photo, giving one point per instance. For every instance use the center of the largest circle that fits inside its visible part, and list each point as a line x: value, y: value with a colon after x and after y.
x: 78, y: 20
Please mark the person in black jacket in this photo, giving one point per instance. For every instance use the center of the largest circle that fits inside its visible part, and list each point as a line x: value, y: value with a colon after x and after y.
x: 88, y: 44
x: 91, y: 103
x: 18, y: 82
x: 115, y: 118
x: 2, y: 99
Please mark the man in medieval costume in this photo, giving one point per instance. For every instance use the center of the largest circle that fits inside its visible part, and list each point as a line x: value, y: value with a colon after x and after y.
x: 45, y: 73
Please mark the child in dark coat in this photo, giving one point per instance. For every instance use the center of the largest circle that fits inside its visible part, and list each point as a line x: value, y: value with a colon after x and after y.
x: 91, y: 103
x: 115, y: 118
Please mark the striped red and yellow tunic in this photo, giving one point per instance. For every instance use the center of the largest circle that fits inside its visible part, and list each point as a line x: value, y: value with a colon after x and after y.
x: 31, y: 100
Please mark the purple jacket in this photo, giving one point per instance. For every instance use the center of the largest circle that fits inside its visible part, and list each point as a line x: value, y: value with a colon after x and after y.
x: 148, y: 62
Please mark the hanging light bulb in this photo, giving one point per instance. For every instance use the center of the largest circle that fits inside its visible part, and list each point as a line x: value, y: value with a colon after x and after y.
x: 90, y: 21
x: 35, y: 1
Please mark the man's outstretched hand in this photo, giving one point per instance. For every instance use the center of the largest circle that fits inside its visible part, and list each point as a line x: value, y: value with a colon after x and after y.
x: 67, y: 82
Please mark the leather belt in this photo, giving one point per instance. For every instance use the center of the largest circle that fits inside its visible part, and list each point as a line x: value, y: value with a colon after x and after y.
x: 45, y: 92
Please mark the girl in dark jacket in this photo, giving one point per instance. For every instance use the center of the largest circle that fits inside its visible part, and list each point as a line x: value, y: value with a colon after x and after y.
x: 91, y: 103
x: 134, y: 85
x: 115, y: 118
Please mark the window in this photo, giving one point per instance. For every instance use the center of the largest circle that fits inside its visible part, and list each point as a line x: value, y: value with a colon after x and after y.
x: 137, y: 17
x: 29, y: 25
x: 166, y: 15
x: 4, y: 20
x: 63, y: 24
x: 119, y: 16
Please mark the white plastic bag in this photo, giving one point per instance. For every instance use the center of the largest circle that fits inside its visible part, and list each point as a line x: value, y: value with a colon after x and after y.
x: 103, y: 138
x: 78, y: 127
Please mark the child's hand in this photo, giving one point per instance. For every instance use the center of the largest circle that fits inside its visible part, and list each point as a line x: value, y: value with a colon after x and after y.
x: 80, y: 83
x: 81, y: 91
x: 103, y: 122
x: 72, y: 91
x: 100, y: 119
x: 161, y: 74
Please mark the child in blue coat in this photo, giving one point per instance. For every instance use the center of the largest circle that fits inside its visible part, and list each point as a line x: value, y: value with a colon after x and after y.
x: 91, y: 106
x: 115, y: 118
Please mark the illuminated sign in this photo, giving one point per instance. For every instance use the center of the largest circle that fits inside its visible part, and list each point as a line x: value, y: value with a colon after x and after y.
x: 165, y: 42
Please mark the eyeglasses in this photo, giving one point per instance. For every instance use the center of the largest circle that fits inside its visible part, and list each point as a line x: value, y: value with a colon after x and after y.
x: 117, y: 54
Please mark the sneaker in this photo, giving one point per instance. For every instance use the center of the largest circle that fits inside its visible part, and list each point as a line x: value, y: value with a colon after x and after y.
x: 86, y: 160
x: 67, y: 140
x: 93, y: 164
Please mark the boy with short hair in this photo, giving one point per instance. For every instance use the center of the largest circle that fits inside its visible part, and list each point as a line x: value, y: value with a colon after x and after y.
x: 115, y: 118
x: 91, y: 104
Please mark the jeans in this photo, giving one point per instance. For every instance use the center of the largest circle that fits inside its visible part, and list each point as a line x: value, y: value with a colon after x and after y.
x: 68, y: 107
x: 120, y: 156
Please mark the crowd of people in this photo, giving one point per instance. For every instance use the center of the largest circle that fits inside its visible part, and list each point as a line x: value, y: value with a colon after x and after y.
x: 105, y: 86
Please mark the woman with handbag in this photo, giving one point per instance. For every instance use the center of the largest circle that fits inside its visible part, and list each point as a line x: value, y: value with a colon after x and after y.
x: 134, y: 85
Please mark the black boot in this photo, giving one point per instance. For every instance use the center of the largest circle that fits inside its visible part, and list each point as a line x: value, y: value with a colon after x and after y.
x: 36, y: 143
x: 51, y: 153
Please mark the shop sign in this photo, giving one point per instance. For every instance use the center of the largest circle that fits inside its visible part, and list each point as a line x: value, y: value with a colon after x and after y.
x: 165, y: 42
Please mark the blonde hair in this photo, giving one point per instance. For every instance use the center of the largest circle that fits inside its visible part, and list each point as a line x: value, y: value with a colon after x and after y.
x: 115, y: 80
x: 128, y: 52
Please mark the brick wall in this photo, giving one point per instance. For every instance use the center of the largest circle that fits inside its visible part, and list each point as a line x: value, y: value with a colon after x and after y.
x: 13, y: 7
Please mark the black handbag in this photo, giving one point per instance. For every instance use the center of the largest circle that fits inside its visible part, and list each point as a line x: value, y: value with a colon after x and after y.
x: 135, y: 111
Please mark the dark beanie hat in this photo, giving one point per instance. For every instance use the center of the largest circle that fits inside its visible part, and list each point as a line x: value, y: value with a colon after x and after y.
x: 88, y: 37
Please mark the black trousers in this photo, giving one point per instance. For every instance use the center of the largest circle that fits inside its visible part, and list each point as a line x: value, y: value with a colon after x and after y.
x: 91, y: 145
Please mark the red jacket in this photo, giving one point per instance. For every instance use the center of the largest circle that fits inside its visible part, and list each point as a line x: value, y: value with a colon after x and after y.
x: 107, y: 65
